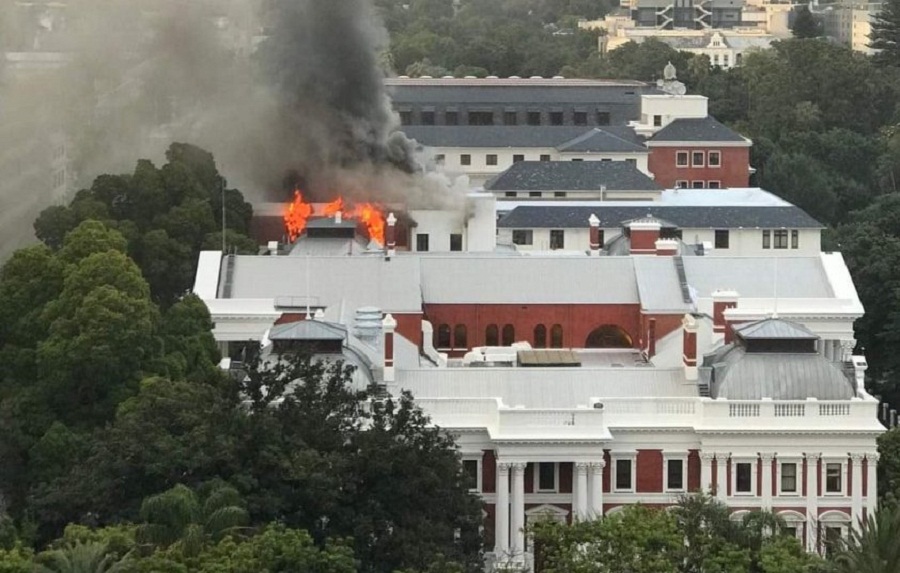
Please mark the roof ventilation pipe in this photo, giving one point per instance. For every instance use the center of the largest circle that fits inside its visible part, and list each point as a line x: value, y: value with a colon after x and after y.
x: 368, y: 323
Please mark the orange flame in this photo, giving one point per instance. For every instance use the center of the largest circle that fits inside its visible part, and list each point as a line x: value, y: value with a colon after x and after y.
x: 369, y: 214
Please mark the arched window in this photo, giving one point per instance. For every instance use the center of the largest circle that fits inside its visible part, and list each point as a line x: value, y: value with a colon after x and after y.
x: 540, y: 336
x: 491, y: 335
x: 556, y: 336
x: 459, y: 336
x: 509, y: 335
x: 443, y: 336
x: 608, y: 336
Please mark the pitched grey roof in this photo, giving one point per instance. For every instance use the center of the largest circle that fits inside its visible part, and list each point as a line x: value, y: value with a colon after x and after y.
x: 700, y: 129
x: 739, y: 375
x: 659, y: 285
x: 572, y: 176
x: 308, y: 330
x: 611, y: 139
x: 773, y: 328
x: 512, y: 280
x: 521, y: 91
x: 754, y: 277
x: 685, y: 217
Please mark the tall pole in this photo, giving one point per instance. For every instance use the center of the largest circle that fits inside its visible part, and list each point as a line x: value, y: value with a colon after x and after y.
x: 222, y: 181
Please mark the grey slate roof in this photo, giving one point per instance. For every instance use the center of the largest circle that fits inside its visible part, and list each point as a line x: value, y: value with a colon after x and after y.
x: 774, y: 329
x: 611, y: 139
x: 522, y: 91
x: 696, y: 129
x: 659, y: 285
x: 686, y: 217
x: 754, y: 277
x: 572, y: 176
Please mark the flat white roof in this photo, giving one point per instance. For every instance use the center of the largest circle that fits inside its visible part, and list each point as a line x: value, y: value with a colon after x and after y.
x: 734, y: 197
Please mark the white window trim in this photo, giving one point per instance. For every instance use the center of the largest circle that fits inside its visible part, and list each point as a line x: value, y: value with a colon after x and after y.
x: 703, y: 164
x: 683, y: 458
x: 719, y: 183
x: 682, y: 184
x: 754, y: 470
x: 702, y: 184
x: 478, y: 459
x: 798, y: 462
x: 687, y: 164
x: 614, y: 458
x: 794, y: 519
x: 824, y: 477
x: 710, y: 165
x: 537, y: 478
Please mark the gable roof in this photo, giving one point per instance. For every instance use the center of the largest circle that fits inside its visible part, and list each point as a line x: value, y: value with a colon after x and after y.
x: 685, y: 217
x: 773, y: 328
x: 699, y: 129
x: 613, y: 139
x: 572, y: 176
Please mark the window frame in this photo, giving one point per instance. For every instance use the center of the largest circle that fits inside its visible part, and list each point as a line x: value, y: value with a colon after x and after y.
x: 779, y: 474
x: 528, y: 234
x: 456, y: 238
x: 554, y: 330
x: 695, y: 155
x: 717, y: 155
x: 561, y: 235
x: 465, y: 159
x: 795, y: 239
x: 687, y: 159
x: 419, y: 242
x: 698, y: 184
x: 674, y: 457
x: 624, y: 457
x: 766, y: 239
x: 539, y: 335
x: 479, y: 476
x: 657, y: 120
x: 488, y: 334
x: 780, y: 239
x: 517, y: 157
x: 491, y: 159
x: 717, y: 234
x: 714, y: 184
x: 511, y: 330
x: 537, y: 477
x: 735, y: 466
x: 545, y: 157
x: 682, y: 184
x: 443, y: 330
x: 460, y: 337
x: 842, y: 471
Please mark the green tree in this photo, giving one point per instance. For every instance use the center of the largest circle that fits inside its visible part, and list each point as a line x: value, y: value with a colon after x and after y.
x: 16, y: 560
x: 885, y: 34
x: 889, y: 465
x: 88, y: 238
x: 873, y: 547
x: 77, y: 558
x: 805, y: 24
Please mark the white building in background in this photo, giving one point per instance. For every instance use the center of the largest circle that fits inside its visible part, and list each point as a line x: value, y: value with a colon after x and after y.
x: 725, y: 48
x: 849, y: 22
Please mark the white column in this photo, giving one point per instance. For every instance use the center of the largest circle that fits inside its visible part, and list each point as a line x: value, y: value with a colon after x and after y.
x: 856, y: 497
x: 871, y: 483
x: 722, y: 475
x: 812, y: 501
x: 581, y: 486
x: 596, y: 489
x: 501, y: 512
x: 706, y: 459
x: 766, y: 465
x: 517, y: 525
x: 829, y: 350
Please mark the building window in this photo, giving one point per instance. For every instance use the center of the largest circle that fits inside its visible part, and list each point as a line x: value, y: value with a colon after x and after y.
x: 440, y: 158
x: 557, y: 239
x: 714, y: 159
x: 675, y: 474
x: 743, y: 477
x: 631, y: 160
x: 491, y: 159
x: 725, y: 60
x: 833, y: 481
x: 406, y: 118
x: 681, y: 159
x: 578, y: 159
x: 465, y: 159
x: 491, y: 335
x: 422, y: 242
x: 697, y: 159
x: 559, y: 193
x: 832, y: 538
x: 788, y: 477
x: 455, y: 242
x: 459, y: 337
x: 767, y: 239
x: 451, y: 118
x: 443, y: 336
x: 471, y: 475
x: 534, y: 118
x: 427, y: 118
x: 546, y: 476
x: 540, y: 336
x: 579, y: 118
x: 481, y: 118
x: 713, y: 184
x: 681, y: 184
x: 510, y: 118
x: 545, y: 157
x: 534, y: 194
x: 697, y: 184
x: 721, y: 238
x: 556, y: 118
x: 781, y: 239
x: 510, y: 194
x: 657, y: 121
x: 556, y: 336
x: 509, y: 335
x: 602, y: 118
x: 624, y: 474
x: 517, y: 158
x: 523, y: 236
x: 795, y: 239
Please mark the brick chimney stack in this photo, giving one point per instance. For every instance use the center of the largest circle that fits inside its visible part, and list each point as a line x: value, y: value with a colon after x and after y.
x: 722, y: 300
x: 594, y: 223
x: 644, y: 234
x: 690, y: 326
x: 651, y: 338
x: 388, y: 326
x: 390, y: 236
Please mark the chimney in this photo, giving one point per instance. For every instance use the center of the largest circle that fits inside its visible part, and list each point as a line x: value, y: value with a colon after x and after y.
x: 644, y: 234
x: 666, y: 247
x: 651, y: 338
x: 338, y: 218
x: 390, y: 236
x: 594, y: 223
x: 388, y: 326
x: 690, y: 326
x: 722, y: 299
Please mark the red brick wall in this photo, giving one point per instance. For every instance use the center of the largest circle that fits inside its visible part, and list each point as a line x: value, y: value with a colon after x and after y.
x: 649, y: 471
x: 644, y: 242
x: 734, y: 171
x: 693, y: 470
x: 410, y: 327
x: 665, y: 324
x: 565, y: 477
x: 577, y: 320
x: 488, y: 472
x: 607, y: 472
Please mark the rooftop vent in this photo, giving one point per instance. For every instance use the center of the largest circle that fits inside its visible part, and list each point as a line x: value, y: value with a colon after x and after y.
x: 368, y: 322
